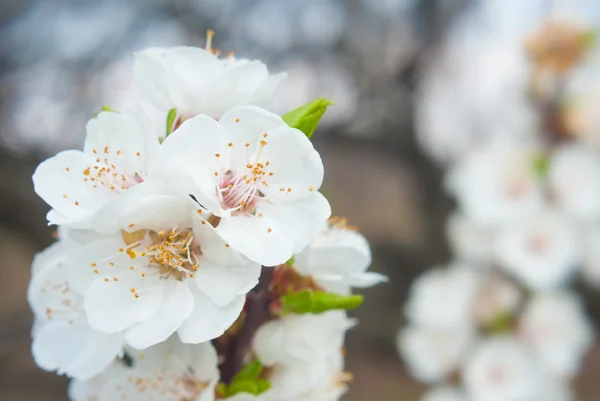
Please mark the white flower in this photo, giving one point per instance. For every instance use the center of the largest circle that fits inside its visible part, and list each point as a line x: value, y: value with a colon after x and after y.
x: 117, y: 151
x: 443, y: 297
x: 255, y: 173
x: 498, y: 297
x: 500, y: 369
x: 542, y: 250
x: 574, y: 178
x: 62, y: 338
x: 337, y: 258
x: 158, y: 279
x: 496, y: 183
x: 556, y: 389
x: 166, y: 372
x: 470, y: 241
x: 320, y: 380
x: 300, y: 340
x: 554, y: 326
x: 444, y: 393
x: 197, y: 81
x: 433, y: 354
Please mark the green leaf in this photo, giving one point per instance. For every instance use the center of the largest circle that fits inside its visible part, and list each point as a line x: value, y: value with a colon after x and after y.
x: 541, y: 163
x: 291, y: 261
x: 170, y: 121
x: 306, y: 118
x: 254, y: 386
x: 250, y: 371
x: 307, y: 301
x: 108, y: 108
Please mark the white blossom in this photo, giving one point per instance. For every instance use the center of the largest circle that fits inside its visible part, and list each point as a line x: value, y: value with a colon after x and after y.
x: 443, y: 297
x: 433, y: 354
x: 301, y: 340
x: 116, y: 155
x: 166, y: 372
x: 62, y: 339
x: 590, y: 267
x: 554, y: 326
x: 542, y: 250
x: 501, y: 369
x: 337, y: 258
x: 496, y: 183
x: 574, y: 178
x: 196, y: 81
x: 254, y: 172
x: 157, y: 279
x: 470, y: 241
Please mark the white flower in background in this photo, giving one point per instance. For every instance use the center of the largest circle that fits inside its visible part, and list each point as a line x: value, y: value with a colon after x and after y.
x: 542, y: 250
x: 556, y: 389
x: 444, y: 393
x: 337, y: 258
x: 254, y: 172
x: 590, y: 266
x: 62, y: 339
x: 159, y: 279
x: 433, y: 354
x: 117, y: 151
x: 574, y: 178
x: 501, y: 369
x: 497, y: 298
x: 554, y: 326
x: 87, y: 390
x: 197, y: 81
x: 443, y: 297
x: 496, y: 183
x: 470, y: 241
x: 166, y: 372
x: 320, y: 380
x: 301, y: 340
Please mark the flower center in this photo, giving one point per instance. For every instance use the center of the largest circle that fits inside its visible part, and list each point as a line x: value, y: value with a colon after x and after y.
x: 240, y: 193
x: 104, y: 174
x: 173, y: 254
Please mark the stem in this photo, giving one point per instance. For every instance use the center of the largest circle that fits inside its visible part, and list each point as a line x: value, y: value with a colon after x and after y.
x: 257, y: 313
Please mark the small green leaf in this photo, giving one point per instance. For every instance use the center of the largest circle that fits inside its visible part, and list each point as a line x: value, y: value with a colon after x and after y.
x: 291, y: 261
x: 254, y: 386
x: 541, y: 163
x: 108, y: 108
x: 170, y: 121
x: 306, y: 118
x: 250, y: 371
x: 307, y: 301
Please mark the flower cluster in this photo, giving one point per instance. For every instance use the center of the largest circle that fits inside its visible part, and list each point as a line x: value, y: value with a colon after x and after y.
x: 196, y: 260
x: 500, y: 323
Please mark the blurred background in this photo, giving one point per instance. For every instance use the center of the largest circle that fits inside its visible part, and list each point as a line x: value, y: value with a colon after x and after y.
x: 60, y: 60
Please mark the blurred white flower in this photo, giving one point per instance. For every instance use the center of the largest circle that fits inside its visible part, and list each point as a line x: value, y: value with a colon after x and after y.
x: 501, y: 369
x: 574, y: 178
x: 170, y: 78
x: 496, y: 183
x: 443, y: 297
x: 444, y: 393
x: 497, y: 298
x: 430, y: 354
x: 590, y: 266
x: 337, y: 258
x: 470, y: 241
x: 555, y: 327
x: 301, y: 340
x: 542, y: 250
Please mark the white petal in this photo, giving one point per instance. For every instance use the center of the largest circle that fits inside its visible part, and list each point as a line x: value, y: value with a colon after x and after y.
x: 60, y: 182
x: 298, y: 221
x: 150, y: 76
x: 213, y: 246
x: 247, y: 125
x: 296, y: 165
x: 222, y: 284
x: 176, y: 307
x: 259, y: 239
x: 111, y: 306
x: 208, y: 321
